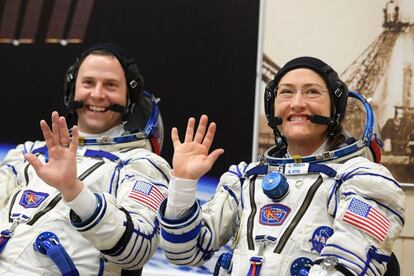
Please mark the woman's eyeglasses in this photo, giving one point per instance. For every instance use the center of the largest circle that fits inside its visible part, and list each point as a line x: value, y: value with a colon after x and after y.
x: 309, y: 93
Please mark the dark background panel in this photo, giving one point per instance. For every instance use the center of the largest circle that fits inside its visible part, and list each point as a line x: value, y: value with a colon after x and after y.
x: 198, y: 56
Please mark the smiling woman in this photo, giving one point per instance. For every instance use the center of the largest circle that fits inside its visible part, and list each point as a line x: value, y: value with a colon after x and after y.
x: 295, y: 110
x: 321, y: 113
x: 315, y: 204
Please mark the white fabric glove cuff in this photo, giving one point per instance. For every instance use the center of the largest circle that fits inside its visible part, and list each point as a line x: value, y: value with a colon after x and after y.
x: 84, y: 205
x: 181, y: 196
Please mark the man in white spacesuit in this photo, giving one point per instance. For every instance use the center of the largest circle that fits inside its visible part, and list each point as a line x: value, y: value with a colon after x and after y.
x: 84, y: 202
x: 313, y: 205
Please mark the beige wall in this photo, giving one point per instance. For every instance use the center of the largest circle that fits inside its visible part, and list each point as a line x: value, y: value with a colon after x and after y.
x: 404, y: 247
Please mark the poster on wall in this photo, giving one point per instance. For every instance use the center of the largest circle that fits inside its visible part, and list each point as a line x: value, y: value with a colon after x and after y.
x: 371, y: 46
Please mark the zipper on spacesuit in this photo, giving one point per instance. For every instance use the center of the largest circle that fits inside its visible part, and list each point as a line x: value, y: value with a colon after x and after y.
x: 308, y: 199
x: 12, y: 204
x: 26, y: 174
x: 90, y: 170
x: 250, y: 219
x: 49, y: 207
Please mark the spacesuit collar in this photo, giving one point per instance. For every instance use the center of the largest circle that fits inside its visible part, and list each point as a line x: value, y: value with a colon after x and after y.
x: 112, y: 132
x: 322, y: 148
x: 114, y: 139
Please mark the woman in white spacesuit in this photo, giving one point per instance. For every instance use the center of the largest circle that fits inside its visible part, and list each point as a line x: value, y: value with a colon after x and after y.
x: 86, y: 203
x: 316, y: 204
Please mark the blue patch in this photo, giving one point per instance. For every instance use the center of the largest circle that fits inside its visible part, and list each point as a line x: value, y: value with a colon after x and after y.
x: 273, y: 214
x: 32, y: 199
x: 319, y: 237
x: 300, y: 266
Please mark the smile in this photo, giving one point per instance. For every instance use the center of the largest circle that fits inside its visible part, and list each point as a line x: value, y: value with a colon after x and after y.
x: 97, y: 108
x: 298, y: 118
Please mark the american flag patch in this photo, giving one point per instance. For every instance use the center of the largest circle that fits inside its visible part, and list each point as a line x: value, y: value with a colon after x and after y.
x: 147, y: 193
x: 365, y: 217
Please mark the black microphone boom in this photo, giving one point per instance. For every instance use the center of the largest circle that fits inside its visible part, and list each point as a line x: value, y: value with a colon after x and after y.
x: 117, y: 108
x: 322, y: 120
x: 75, y: 104
x: 274, y: 121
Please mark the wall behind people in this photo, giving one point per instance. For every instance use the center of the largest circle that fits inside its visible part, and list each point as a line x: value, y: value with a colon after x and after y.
x: 197, y: 56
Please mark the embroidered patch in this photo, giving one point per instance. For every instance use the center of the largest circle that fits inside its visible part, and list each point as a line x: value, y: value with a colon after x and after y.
x: 32, y: 199
x: 273, y: 214
x: 147, y: 193
x: 367, y: 218
x: 319, y: 237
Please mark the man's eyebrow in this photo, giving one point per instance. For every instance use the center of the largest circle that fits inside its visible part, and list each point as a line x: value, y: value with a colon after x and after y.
x: 104, y: 79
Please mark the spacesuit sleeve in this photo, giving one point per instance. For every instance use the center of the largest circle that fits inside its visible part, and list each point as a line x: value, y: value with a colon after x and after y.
x: 193, y: 239
x: 124, y: 226
x: 367, y: 204
x: 11, y: 171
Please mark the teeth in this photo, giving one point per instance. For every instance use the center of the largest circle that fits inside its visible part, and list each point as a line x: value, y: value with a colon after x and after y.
x: 96, y: 108
x: 298, y: 118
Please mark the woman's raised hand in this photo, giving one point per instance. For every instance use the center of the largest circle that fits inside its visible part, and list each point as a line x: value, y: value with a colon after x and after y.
x: 191, y: 158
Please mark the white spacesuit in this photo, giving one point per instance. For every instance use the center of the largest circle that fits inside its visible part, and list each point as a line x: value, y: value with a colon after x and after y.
x: 121, y: 234
x: 328, y: 211
x: 333, y: 213
x: 110, y: 228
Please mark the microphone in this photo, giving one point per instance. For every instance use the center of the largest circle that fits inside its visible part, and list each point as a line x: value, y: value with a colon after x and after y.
x: 274, y: 121
x: 118, y: 108
x: 75, y: 104
x: 322, y: 120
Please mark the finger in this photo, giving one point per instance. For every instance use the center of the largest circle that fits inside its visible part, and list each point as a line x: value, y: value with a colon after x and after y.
x: 63, y: 132
x: 189, y: 131
x: 174, y: 137
x: 201, y: 129
x: 55, y: 128
x: 73, y: 146
x: 212, y: 157
x: 34, y: 161
x: 47, y: 134
x: 208, y: 139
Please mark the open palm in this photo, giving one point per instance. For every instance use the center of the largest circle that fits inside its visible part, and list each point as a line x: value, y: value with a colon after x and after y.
x: 191, y: 158
x: 60, y: 170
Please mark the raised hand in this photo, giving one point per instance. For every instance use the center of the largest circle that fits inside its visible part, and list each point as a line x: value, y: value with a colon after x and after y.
x: 191, y: 158
x: 60, y: 171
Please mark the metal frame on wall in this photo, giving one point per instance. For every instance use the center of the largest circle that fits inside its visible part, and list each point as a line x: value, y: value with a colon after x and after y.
x: 370, y: 44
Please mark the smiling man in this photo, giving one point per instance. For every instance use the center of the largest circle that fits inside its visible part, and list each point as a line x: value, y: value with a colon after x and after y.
x: 84, y: 202
x: 100, y: 83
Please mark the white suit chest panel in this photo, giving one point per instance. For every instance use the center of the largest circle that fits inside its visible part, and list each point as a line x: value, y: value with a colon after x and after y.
x: 35, y: 201
x: 32, y: 198
x: 37, y: 195
x: 275, y: 218
x: 95, y: 173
